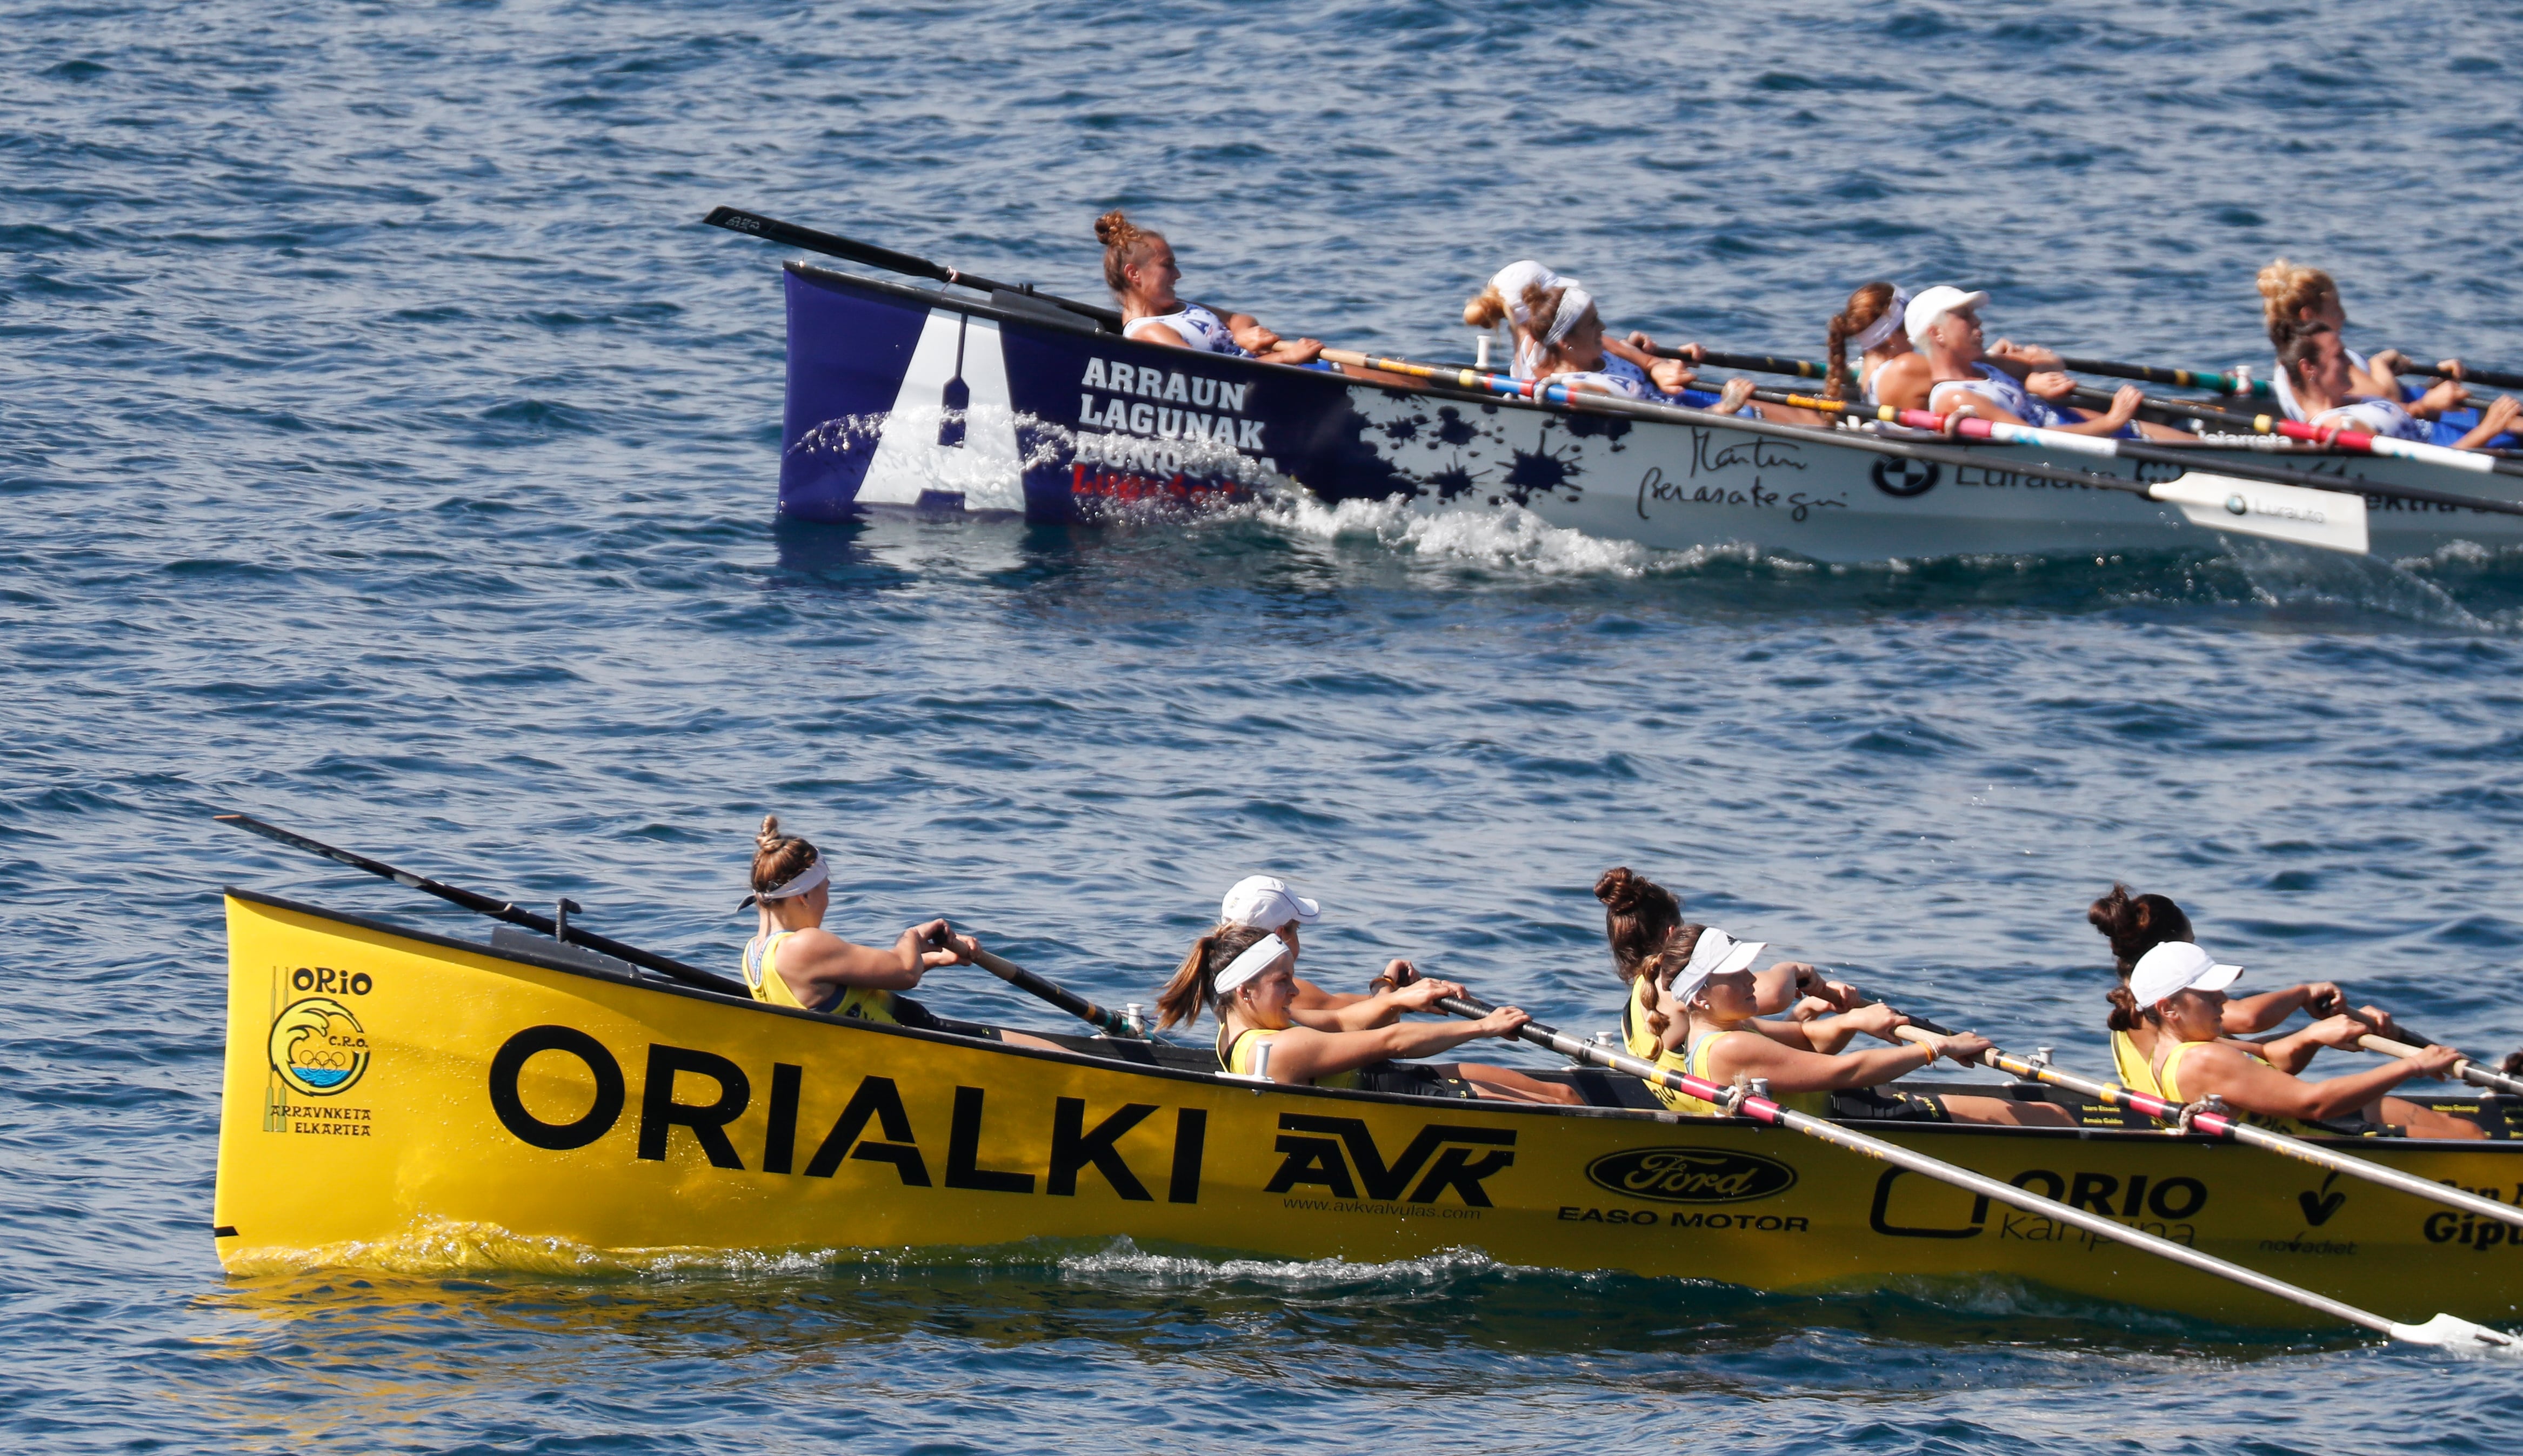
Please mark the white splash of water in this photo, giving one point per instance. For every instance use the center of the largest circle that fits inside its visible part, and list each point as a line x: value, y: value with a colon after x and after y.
x: 1503, y: 537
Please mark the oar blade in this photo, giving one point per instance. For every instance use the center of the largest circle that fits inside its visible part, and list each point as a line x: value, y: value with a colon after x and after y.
x: 2458, y: 1335
x: 2333, y: 520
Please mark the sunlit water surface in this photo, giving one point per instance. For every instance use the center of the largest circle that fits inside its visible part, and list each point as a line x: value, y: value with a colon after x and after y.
x: 386, y: 451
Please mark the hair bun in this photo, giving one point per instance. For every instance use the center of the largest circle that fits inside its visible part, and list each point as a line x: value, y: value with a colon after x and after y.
x: 1618, y: 889
x: 770, y: 837
x: 1113, y: 227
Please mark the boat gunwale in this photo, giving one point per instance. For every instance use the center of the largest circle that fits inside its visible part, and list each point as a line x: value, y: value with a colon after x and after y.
x: 643, y: 981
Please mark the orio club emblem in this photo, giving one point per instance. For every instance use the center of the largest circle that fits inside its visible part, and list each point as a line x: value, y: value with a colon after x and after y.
x: 318, y: 1048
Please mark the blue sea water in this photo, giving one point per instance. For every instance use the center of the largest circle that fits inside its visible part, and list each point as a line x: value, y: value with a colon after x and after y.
x: 385, y: 450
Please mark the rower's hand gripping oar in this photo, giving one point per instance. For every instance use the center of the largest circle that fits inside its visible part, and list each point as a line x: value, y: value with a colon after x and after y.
x: 1111, y: 1023
x: 498, y: 910
x: 2227, y: 1125
x: 2466, y: 1070
x: 831, y: 245
x: 2443, y: 1330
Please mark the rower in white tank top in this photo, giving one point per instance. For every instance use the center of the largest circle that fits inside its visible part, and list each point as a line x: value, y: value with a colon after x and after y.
x: 2002, y: 390
x: 1198, y: 326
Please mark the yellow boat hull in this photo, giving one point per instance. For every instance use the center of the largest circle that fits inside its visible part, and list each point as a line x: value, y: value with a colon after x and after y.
x: 388, y: 1090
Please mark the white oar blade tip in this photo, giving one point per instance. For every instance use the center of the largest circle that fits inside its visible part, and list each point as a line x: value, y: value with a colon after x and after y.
x: 2458, y: 1335
x: 2333, y: 520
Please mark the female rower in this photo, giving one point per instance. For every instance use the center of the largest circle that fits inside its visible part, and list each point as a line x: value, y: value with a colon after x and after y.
x: 1502, y: 301
x: 1263, y: 902
x: 1640, y: 917
x: 1251, y: 976
x: 1889, y: 370
x: 2181, y: 990
x: 1571, y: 351
x: 792, y: 960
x: 2135, y: 924
x: 2293, y: 295
x: 1703, y: 1016
x: 2007, y: 384
x: 1139, y: 268
x: 2317, y: 363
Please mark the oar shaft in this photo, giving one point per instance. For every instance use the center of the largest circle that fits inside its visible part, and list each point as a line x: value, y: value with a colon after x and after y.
x: 2466, y: 1070
x: 1111, y: 1023
x: 498, y: 910
x: 832, y: 245
x: 2494, y: 378
x: 1765, y: 1110
x: 2222, y: 1125
x: 2188, y: 379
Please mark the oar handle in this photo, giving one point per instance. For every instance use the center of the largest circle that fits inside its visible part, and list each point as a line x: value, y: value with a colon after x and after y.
x: 2466, y: 1070
x: 832, y: 245
x: 498, y: 910
x: 2188, y: 379
x: 1111, y: 1023
x: 1763, y: 1109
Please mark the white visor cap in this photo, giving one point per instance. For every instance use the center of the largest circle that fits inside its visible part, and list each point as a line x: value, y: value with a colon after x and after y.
x: 1935, y: 304
x: 1265, y: 903
x: 1257, y: 957
x: 1716, y: 953
x: 2175, y: 967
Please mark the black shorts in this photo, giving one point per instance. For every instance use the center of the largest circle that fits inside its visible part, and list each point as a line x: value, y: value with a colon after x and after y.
x: 1874, y: 1104
x: 911, y: 1014
x: 1410, y: 1079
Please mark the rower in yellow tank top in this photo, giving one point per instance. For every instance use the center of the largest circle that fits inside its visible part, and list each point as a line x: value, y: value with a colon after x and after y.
x: 1708, y: 999
x: 1250, y: 974
x: 1249, y: 1056
x: 2182, y: 991
x: 792, y: 960
x: 762, y: 976
x: 2131, y: 1065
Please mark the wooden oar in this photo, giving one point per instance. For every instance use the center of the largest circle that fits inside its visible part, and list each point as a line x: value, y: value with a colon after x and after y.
x: 2443, y: 1328
x: 737, y: 220
x: 498, y: 910
x: 2466, y: 1070
x: 2229, y: 1126
x: 2255, y: 499
x: 1111, y: 1023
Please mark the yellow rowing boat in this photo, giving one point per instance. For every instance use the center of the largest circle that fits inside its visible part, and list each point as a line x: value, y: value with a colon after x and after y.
x: 388, y: 1089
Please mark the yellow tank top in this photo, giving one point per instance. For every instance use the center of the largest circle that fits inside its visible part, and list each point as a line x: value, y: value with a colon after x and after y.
x: 2169, y: 1077
x: 1249, y: 1057
x: 762, y: 976
x: 1635, y: 1034
x: 1693, y: 1061
x: 2134, y: 1071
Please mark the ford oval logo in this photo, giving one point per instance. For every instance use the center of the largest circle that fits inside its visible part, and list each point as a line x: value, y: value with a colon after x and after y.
x: 1692, y: 1175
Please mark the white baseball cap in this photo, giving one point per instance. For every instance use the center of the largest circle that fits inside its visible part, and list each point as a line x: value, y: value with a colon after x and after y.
x: 2175, y: 967
x: 1934, y: 304
x: 1716, y: 953
x: 1265, y: 903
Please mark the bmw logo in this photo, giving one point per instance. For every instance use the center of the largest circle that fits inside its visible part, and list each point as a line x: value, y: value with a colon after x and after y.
x: 1896, y: 476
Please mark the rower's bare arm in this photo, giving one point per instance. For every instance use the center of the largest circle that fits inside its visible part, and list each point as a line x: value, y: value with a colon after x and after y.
x: 1790, y: 1071
x: 2245, y: 1014
x: 1829, y: 1034
x: 1302, y: 1055
x: 2252, y: 1087
x: 2497, y: 419
x: 814, y: 963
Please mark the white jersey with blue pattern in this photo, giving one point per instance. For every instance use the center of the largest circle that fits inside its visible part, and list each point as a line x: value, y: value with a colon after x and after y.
x: 1198, y: 326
